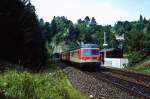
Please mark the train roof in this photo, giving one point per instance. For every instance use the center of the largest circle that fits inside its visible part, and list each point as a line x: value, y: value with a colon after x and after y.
x: 89, y: 46
x: 84, y: 46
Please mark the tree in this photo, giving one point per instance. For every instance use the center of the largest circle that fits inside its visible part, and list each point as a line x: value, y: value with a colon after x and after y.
x: 87, y: 20
x: 53, y: 27
x: 93, y: 21
x: 141, y: 19
x: 21, y: 39
x: 47, y: 31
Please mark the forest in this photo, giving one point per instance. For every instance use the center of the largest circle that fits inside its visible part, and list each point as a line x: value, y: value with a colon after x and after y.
x: 63, y: 32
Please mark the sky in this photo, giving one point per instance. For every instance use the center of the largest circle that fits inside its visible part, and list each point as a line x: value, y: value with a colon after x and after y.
x: 106, y: 12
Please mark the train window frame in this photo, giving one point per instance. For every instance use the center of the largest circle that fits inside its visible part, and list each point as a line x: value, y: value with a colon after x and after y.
x: 90, y: 53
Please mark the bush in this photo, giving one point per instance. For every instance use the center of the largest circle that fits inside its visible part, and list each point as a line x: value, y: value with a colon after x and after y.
x: 136, y: 57
x: 25, y: 85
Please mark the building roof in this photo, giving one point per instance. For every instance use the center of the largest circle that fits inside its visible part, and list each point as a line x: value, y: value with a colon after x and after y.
x: 110, y: 49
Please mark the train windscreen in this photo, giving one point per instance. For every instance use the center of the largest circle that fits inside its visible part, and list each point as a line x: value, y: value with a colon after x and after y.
x: 90, y: 52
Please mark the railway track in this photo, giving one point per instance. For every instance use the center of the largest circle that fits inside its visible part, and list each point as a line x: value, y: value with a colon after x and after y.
x: 135, y: 75
x: 140, y: 78
x: 131, y: 87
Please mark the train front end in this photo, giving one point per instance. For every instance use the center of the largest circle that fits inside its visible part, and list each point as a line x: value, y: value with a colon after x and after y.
x: 90, y: 55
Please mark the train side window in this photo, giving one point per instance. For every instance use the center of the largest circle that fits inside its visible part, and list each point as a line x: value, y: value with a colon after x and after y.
x: 73, y: 53
x: 78, y: 53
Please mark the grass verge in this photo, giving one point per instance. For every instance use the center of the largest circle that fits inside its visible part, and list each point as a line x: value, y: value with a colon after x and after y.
x: 140, y: 68
x: 52, y: 84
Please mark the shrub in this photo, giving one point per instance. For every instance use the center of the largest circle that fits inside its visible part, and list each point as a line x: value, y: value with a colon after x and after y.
x: 26, y: 85
x: 136, y: 57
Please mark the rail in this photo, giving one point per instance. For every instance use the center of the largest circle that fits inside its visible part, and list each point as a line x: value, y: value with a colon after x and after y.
x: 131, y: 87
x: 135, y: 75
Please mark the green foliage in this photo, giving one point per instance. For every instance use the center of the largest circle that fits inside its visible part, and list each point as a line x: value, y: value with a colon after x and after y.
x: 136, y: 41
x: 20, y: 36
x: 53, y: 84
x: 140, y: 68
x: 84, y: 31
x: 135, y: 57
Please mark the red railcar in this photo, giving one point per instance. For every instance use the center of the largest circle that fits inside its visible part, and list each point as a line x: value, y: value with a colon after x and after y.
x: 87, y: 54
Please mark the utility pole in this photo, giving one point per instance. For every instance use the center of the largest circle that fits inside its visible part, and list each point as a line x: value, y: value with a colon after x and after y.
x: 105, y: 44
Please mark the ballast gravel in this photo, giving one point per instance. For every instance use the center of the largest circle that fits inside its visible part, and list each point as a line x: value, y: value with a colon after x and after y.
x: 95, y: 89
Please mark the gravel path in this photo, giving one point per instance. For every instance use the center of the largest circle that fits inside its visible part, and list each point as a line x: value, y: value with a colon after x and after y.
x: 98, y: 89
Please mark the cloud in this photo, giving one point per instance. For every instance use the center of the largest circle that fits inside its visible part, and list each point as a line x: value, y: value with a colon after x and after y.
x: 103, y: 11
